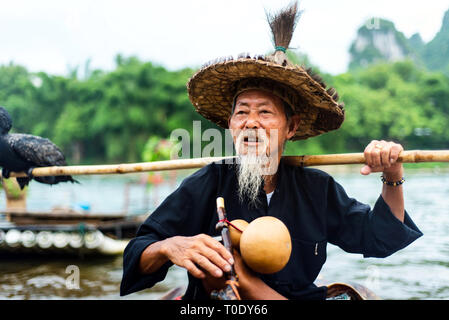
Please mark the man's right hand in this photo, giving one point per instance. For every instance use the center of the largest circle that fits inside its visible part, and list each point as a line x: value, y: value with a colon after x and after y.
x: 201, y: 255
x: 198, y: 254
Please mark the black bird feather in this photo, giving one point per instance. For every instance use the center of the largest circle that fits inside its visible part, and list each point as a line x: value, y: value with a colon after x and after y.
x: 23, y: 152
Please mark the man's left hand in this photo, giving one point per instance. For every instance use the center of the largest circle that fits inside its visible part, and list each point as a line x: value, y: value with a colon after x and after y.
x: 245, y: 275
x: 382, y: 156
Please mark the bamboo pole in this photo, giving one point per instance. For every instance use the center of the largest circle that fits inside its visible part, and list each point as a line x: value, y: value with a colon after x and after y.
x: 413, y: 156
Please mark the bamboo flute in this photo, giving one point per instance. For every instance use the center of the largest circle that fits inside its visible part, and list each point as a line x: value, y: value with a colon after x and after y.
x: 412, y: 156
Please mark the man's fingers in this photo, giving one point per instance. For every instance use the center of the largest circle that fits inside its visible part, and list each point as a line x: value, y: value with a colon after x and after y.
x: 394, y: 154
x: 380, y: 156
x: 218, y: 247
x: 367, y: 154
x: 205, y: 264
x: 193, y: 269
x: 385, y: 157
x: 372, y: 154
x: 202, y: 254
x: 215, y: 258
x: 375, y: 156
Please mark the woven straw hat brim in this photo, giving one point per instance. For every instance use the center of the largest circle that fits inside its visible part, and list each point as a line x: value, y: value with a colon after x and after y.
x: 212, y: 90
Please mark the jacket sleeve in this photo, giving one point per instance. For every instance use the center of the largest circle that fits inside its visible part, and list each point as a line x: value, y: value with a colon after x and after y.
x: 133, y: 280
x: 356, y: 228
x: 181, y: 213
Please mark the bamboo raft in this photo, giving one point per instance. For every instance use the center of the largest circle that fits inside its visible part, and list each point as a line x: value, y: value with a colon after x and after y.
x: 54, y: 241
x: 48, y: 233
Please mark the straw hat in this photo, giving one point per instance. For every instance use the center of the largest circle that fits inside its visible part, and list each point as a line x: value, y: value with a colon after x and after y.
x: 213, y: 89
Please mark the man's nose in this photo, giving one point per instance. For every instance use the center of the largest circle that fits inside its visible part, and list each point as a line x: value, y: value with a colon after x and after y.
x: 252, y: 122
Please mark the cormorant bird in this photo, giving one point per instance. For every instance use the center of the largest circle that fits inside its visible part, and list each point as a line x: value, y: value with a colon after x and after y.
x: 23, y: 152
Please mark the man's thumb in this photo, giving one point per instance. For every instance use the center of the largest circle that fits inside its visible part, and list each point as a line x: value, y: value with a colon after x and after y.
x: 366, y: 170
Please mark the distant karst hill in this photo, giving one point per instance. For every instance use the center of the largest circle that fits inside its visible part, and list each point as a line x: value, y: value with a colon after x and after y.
x: 378, y: 40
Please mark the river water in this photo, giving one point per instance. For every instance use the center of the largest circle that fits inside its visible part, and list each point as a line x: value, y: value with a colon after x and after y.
x: 420, y: 271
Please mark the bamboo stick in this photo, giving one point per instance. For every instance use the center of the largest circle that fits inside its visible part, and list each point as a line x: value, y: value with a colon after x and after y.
x: 121, y: 168
x: 413, y: 156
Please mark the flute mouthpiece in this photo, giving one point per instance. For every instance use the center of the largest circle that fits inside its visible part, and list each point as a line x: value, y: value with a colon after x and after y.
x: 220, y: 202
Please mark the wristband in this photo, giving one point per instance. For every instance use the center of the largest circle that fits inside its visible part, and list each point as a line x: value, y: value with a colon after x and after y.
x: 392, y: 183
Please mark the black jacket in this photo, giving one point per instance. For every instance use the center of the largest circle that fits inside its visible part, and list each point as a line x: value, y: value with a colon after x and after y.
x: 314, y: 207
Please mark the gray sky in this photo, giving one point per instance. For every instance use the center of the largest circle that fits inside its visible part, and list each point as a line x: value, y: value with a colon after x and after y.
x: 50, y: 36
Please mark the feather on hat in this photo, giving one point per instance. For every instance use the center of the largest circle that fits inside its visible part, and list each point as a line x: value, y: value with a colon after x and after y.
x: 213, y: 88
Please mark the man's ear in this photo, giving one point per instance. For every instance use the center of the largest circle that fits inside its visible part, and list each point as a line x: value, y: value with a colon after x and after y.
x: 293, y: 125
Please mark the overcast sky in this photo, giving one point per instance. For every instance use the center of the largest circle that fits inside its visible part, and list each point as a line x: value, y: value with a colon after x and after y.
x: 55, y: 35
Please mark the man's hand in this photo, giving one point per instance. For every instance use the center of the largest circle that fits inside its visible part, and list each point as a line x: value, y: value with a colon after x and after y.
x: 245, y: 274
x: 382, y: 156
x: 251, y: 287
x: 201, y: 255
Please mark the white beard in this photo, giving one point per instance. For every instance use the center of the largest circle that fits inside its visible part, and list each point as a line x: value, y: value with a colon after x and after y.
x: 252, y: 168
x: 250, y: 176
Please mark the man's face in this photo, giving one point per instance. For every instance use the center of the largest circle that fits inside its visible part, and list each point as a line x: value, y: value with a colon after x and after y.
x: 259, y: 124
x: 259, y: 128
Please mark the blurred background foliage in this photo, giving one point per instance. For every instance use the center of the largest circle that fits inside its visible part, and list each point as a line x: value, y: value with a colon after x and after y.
x: 396, y: 101
x: 116, y: 116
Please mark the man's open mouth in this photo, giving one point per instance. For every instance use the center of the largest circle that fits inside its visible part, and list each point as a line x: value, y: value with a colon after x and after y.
x: 252, y: 139
x: 252, y: 142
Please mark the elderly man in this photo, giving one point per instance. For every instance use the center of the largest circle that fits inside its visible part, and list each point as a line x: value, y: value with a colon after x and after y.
x: 263, y: 110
